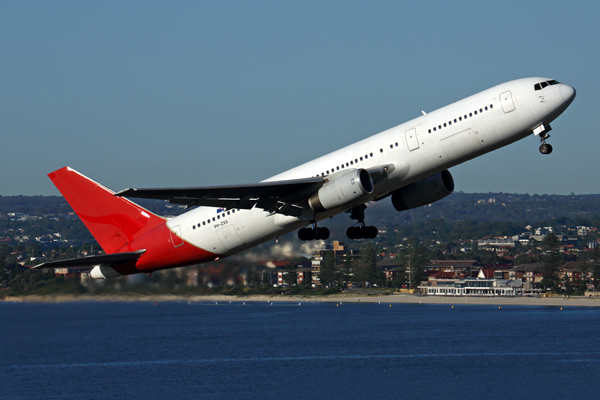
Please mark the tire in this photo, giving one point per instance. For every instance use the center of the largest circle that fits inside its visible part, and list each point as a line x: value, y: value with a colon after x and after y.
x: 372, y: 232
x: 353, y: 233
x: 545, y: 148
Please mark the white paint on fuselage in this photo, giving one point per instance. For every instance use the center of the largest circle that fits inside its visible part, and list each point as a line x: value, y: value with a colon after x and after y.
x: 480, y: 132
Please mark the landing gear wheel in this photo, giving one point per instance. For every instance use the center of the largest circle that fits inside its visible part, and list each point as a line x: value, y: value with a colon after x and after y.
x: 361, y: 232
x: 545, y: 148
x: 353, y: 232
x: 313, y: 234
x: 321, y: 233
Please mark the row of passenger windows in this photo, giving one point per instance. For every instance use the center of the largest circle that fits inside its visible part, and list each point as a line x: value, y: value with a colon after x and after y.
x: 349, y: 163
x: 541, y: 85
x: 215, y: 218
x: 356, y: 160
x: 456, y: 120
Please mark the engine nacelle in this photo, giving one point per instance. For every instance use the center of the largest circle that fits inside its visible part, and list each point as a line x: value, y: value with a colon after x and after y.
x: 423, y: 192
x: 342, y: 190
x: 103, y: 272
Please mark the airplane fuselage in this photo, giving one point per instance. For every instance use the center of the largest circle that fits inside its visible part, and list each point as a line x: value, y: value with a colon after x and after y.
x: 414, y: 150
x: 408, y: 162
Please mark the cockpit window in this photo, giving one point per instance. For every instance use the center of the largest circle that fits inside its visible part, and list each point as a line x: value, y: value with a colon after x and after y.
x: 541, y: 85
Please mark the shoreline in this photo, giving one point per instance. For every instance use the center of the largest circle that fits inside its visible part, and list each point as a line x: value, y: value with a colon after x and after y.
x: 557, y: 301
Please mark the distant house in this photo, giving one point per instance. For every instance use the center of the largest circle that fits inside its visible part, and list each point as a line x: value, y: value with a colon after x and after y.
x: 460, y: 268
x: 532, y: 273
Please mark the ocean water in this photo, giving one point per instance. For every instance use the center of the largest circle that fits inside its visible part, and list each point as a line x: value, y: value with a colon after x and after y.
x: 170, y: 350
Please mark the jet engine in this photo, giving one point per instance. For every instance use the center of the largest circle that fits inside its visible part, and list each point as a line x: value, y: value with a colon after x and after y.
x: 423, y: 192
x: 103, y: 272
x: 342, y: 190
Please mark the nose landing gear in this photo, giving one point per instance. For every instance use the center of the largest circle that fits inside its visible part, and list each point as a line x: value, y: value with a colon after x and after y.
x: 545, y: 148
x: 542, y: 131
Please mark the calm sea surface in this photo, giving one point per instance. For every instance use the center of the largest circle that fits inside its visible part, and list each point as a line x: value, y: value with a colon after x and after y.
x: 235, y: 351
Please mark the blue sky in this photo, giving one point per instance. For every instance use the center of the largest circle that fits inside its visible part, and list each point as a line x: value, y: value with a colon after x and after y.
x: 154, y: 94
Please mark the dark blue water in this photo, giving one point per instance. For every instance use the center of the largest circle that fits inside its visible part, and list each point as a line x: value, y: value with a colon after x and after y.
x: 368, y: 351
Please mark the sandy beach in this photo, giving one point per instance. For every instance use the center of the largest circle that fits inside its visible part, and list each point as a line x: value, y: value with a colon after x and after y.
x: 558, y: 301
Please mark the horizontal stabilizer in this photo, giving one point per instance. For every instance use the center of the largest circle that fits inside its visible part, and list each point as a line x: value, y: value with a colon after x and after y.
x: 89, y: 262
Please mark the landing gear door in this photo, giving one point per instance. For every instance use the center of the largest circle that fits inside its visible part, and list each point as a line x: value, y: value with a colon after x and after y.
x: 507, y: 102
x: 412, y: 141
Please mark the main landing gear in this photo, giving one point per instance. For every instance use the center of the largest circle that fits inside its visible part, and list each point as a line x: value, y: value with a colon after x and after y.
x: 313, y: 233
x: 361, y: 231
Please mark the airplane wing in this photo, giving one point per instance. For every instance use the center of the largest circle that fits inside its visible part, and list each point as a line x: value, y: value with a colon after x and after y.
x: 276, y: 197
x: 89, y: 262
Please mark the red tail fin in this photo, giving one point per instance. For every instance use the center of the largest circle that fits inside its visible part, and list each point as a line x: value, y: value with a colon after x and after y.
x: 113, y: 221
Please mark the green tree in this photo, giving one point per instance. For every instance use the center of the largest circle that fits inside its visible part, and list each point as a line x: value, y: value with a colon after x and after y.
x: 413, y: 260
x: 327, y: 275
x: 364, y: 268
x: 551, y: 259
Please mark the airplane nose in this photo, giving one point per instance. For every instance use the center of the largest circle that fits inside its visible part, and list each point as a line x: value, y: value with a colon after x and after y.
x: 567, y: 92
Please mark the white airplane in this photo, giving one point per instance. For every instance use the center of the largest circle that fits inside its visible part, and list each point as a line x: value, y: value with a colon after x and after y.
x: 408, y: 162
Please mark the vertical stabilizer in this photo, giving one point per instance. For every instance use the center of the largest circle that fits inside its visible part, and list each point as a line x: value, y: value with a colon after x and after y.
x: 113, y: 221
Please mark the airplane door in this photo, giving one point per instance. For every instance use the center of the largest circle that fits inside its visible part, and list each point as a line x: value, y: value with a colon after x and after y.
x: 412, y: 141
x: 229, y: 237
x: 176, y: 238
x: 507, y: 102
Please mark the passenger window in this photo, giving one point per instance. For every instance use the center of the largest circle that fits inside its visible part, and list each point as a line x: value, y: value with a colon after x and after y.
x: 361, y: 159
x: 444, y: 124
x: 475, y: 112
